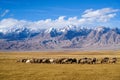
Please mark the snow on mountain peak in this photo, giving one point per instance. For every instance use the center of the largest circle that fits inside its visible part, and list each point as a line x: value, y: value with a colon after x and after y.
x: 49, y: 30
x: 99, y: 28
x: 71, y: 27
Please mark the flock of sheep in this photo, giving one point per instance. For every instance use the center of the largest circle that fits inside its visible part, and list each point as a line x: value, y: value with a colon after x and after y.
x: 84, y: 60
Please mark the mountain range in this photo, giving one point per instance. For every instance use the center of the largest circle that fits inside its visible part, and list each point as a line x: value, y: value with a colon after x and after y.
x: 70, y: 37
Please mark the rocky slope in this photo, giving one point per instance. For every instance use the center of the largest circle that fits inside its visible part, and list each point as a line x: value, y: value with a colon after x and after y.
x: 63, y: 38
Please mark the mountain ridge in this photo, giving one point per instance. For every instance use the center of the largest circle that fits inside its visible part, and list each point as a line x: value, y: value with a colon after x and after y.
x: 69, y: 37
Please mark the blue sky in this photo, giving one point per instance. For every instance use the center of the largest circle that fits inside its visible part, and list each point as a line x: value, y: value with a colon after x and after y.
x: 35, y: 10
x: 43, y: 9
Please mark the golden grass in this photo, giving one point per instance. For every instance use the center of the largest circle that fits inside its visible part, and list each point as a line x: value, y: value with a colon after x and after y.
x: 10, y: 70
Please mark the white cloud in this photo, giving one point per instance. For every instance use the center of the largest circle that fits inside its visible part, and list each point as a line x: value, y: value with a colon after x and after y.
x: 5, y: 12
x: 100, y: 15
x: 61, y: 18
x: 89, y: 17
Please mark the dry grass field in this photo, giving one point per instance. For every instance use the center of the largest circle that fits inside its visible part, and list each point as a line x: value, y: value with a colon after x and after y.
x: 10, y: 70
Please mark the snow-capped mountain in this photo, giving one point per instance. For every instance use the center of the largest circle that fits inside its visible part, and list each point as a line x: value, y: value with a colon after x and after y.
x: 68, y: 37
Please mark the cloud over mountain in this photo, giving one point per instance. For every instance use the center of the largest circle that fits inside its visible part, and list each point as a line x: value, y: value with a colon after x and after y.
x: 89, y: 17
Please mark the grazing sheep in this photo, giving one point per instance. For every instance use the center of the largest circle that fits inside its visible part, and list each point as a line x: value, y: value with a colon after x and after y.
x: 60, y: 61
x: 64, y: 61
x: 94, y: 61
x: 105, y: 60
x: 34, y: 60
x: 89, y: 61
x: 52, y: 60
x: 23, y: 60
x: 84, y: 60
x: 113, y: 60
x: 45, y: 60
x: 74, y: 60
x: 28, y: 61
x: 39, y: 60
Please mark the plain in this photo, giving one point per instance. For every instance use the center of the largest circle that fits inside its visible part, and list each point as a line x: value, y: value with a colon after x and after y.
x: 11, y: 70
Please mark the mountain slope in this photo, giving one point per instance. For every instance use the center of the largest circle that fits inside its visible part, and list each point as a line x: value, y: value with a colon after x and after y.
x: 62, y: 38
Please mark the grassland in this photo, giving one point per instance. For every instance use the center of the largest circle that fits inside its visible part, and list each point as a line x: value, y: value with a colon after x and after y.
x: 10, y: 70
